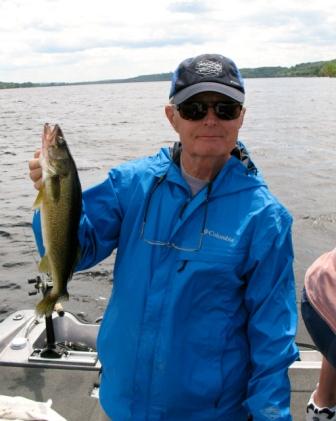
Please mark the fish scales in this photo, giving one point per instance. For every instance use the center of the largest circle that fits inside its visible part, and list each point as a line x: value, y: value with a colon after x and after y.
x: 60, y: 201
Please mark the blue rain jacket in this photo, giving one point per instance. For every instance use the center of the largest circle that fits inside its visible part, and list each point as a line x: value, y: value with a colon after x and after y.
x: 201, y: 322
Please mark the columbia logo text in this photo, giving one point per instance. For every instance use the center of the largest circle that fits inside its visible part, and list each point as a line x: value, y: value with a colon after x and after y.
x: 218, y: 236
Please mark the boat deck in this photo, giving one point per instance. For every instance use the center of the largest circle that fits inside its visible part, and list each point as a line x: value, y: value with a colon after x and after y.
x: 40, y: 384
x: 71, y: 381
x: 304, y: 375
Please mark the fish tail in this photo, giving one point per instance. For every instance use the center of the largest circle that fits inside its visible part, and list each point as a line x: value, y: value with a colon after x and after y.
x: 47, y: 304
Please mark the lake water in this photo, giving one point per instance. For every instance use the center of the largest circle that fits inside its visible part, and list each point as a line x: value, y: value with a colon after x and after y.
x: 289, y: 128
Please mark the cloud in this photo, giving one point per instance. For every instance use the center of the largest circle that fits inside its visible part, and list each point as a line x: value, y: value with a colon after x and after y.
x: 192, y: 7
x: 278, y: 17
x: 65, y: 46
x: 62, y: 40
x: 297, y: 26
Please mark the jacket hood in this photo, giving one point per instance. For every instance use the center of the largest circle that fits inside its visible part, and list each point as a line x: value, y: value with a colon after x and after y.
x: 239, y: 172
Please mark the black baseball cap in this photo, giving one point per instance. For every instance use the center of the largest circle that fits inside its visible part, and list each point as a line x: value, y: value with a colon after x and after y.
x: 206, y: 73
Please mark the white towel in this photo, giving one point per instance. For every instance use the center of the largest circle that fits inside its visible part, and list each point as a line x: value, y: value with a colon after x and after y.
x: 22, y: 409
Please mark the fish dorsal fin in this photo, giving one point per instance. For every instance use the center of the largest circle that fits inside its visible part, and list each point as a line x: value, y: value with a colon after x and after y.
x: 44, y: 264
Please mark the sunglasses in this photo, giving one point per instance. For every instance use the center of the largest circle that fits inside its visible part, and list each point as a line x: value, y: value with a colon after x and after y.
x: 196, y: 110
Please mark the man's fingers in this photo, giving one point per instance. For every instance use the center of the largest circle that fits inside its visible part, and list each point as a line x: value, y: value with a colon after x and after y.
x: 37, y: 153
x: 35, y: 174
x: 35, y: 170
x: 34, y: 164
x: 38, y: 184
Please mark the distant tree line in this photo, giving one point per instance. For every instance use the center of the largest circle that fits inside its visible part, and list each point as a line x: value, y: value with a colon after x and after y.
x: 8, y: 85
x: 328, y: 69
x: 315, y: 69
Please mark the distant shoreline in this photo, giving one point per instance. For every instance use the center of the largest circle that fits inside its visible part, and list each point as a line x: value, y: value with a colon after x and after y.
x: 315, y: 69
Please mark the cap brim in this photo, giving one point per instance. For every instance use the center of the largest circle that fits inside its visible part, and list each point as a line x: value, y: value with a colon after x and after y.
x: 207, y: 87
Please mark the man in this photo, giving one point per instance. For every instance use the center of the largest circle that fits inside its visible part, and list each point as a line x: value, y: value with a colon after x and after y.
x: 201, y: 322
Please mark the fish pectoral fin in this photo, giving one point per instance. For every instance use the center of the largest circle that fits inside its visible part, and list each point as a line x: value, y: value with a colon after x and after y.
x: 38, y: 200
x: 44, y: 264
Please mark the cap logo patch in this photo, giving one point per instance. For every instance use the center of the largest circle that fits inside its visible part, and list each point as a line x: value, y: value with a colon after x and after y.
x: 209, y: 68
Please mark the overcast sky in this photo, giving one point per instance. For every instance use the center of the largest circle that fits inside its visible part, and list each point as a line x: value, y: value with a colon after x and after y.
x: 80, y: 40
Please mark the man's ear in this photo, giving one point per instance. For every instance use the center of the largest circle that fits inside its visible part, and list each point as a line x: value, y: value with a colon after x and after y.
x: 242, y: 115
x: 171, y: 115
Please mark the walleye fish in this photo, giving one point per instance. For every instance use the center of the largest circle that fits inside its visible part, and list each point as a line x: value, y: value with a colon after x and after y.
x: 60, y: 204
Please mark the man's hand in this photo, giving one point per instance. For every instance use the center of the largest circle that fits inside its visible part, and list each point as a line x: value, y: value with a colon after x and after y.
x: 35, y: 170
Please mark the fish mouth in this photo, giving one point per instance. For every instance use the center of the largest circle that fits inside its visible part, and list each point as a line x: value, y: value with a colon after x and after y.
x: 54, y: 147
x: 52, y: 136
x: 47, y: 139
x: 52, y: 140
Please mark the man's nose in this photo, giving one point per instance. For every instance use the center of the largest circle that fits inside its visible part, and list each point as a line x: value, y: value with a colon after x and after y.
x: 211, y: 117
